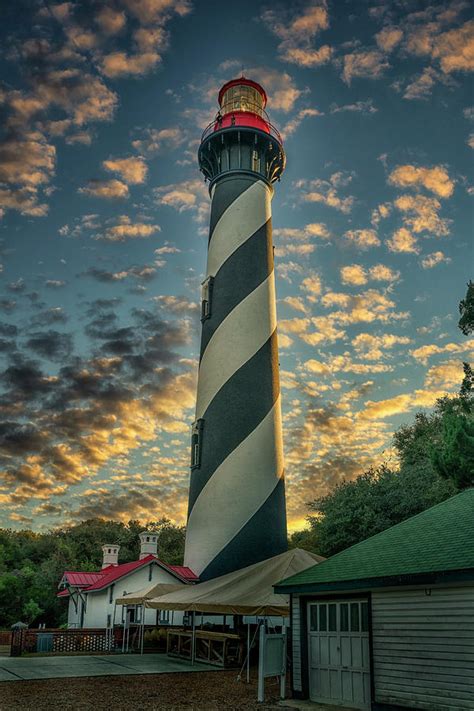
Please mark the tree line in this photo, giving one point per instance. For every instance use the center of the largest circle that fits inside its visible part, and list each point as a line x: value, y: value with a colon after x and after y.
x: 434, y: 460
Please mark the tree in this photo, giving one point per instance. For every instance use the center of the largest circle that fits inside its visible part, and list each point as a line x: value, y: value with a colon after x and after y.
x: 466, y: 309
x: 453, y: 453
x: 377, y: 499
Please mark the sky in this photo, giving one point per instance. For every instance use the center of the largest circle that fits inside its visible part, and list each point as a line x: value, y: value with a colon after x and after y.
x: 104, y: 228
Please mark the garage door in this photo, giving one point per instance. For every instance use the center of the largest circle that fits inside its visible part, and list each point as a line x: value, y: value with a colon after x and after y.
x: 338, y: 646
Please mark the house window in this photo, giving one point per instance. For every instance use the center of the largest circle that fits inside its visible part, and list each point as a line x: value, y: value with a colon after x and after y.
x: 109, y: 620
x: 150, y: 572
x: 111, y: 594
x: 196, y: 443
x: 206, y: 298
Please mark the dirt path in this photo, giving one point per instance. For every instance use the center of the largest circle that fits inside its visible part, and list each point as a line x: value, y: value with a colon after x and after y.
x: 187, y: 692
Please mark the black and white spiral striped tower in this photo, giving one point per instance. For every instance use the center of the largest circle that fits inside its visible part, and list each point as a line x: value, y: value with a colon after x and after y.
x: 236, y: 512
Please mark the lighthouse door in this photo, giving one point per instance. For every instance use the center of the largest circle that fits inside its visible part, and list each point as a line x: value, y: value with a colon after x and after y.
x: 338, y: 648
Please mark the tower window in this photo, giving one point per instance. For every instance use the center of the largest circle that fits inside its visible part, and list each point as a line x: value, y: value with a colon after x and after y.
x: 206, y: 297
x: 196, y: 443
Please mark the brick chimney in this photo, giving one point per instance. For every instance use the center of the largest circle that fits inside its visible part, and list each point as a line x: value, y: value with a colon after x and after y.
x: 148, y: 544
x: 110, y: 554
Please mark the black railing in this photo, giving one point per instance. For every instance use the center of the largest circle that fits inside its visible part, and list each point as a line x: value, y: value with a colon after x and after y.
x: 215, y: 126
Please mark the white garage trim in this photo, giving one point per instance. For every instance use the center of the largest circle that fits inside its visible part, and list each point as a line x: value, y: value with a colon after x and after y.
x: 338, y: 652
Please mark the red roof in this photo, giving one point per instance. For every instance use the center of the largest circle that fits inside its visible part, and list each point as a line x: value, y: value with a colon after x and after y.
x: 184, y: 572
x: 81, y: 580
x: 91, y: 582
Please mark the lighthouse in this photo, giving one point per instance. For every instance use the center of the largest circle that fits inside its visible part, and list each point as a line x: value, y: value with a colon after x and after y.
x: 236, y: 509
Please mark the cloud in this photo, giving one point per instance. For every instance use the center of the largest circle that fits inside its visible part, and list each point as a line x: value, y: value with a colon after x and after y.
x: 436, y: 179
x: 119, y: 64
x: 325, y: 192
x: 293, y: 125
x: 353, y: 274
x: 421, y: 86
x: 374, y: 347
x: 389, y: 38
x: 403, y: 241
x: 420, y: 214
x: 431, y: 260
x: 178, y: 305
x: 308, y: 57
x: 296, y: 31
x: 188, y: 195
x: 108, y: 189
x: 370, y: 64
x: 27, y: 161
x: 144, y: 273
x: 360, y: 107
x: 126, y: 230
x: 153, y: 140
x: 447, y: 375
x: 380, y: 272
x: 110, y: 20
x: 424, y: 353
x: 453, y: 49
x: 312, y: 286
x: 363, y: 239
x: 343, y: 363
x: 131, y: 170
x: 369, y: 306
x: 51, y: 344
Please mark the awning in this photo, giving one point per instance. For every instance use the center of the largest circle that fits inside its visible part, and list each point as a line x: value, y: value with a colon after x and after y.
x: 248, y: 591
x: 151, y: 591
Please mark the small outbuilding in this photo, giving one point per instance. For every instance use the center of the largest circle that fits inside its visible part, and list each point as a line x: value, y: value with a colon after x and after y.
x: 389, y: 623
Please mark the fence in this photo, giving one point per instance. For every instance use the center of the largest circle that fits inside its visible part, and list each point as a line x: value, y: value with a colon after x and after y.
x: 55, y: 641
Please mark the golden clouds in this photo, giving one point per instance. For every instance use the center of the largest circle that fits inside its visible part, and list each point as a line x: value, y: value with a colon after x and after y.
x: 354, y: 275
x: 420, y: 213
x: 363, y: 239
x: 370, y: 64
x: 125, y: 229
x: 296, y: 33
x: 436, y: 179
x: 326, y: 191
x: 131, y: 170
x: 374, y: 347
x: 402, y: 240
x: 423, y: 353
x: 388, y: 38
x: 431, y: 260
x: 108, y: 189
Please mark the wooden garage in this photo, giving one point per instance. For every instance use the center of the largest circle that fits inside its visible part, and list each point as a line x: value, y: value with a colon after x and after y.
x: 389, y: 623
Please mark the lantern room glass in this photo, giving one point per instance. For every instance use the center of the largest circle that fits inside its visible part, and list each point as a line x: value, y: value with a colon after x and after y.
x: 242, y: 98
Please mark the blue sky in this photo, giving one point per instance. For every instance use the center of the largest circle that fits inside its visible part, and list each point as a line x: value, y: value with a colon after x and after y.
x: 104, y: 225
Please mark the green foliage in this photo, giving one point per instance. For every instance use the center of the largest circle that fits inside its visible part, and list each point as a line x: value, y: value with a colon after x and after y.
x: 466, y: 310
x: 435, y: 459
x: 453, y: 453
x: 380, y: 498
x: 32, y: 564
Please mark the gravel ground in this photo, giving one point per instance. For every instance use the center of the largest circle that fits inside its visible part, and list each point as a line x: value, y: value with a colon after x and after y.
x: 205, y: 691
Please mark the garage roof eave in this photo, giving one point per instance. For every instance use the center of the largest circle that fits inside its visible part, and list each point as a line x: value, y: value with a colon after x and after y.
x: 367, y: 584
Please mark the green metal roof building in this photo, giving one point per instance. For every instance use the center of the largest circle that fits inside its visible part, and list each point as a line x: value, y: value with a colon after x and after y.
x: 389, y: 622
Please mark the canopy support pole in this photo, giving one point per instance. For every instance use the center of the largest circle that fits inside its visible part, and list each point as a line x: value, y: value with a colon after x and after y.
x: 248, y: 652
x: 193, y: 638
x: 142, y: 628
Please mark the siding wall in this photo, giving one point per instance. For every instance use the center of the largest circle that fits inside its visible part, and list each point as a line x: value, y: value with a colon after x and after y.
x: 423, y: 648
x: 296, y: 642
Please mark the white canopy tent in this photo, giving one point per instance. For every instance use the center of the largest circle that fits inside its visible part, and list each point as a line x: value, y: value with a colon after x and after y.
x: 248, y: 591
x: 151, y: 591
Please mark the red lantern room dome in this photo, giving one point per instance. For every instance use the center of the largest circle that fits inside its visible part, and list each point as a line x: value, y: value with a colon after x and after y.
x: 245, y: 89
x: 242, y: 103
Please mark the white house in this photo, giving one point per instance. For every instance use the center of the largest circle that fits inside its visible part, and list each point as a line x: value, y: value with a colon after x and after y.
x: 92, y: 596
